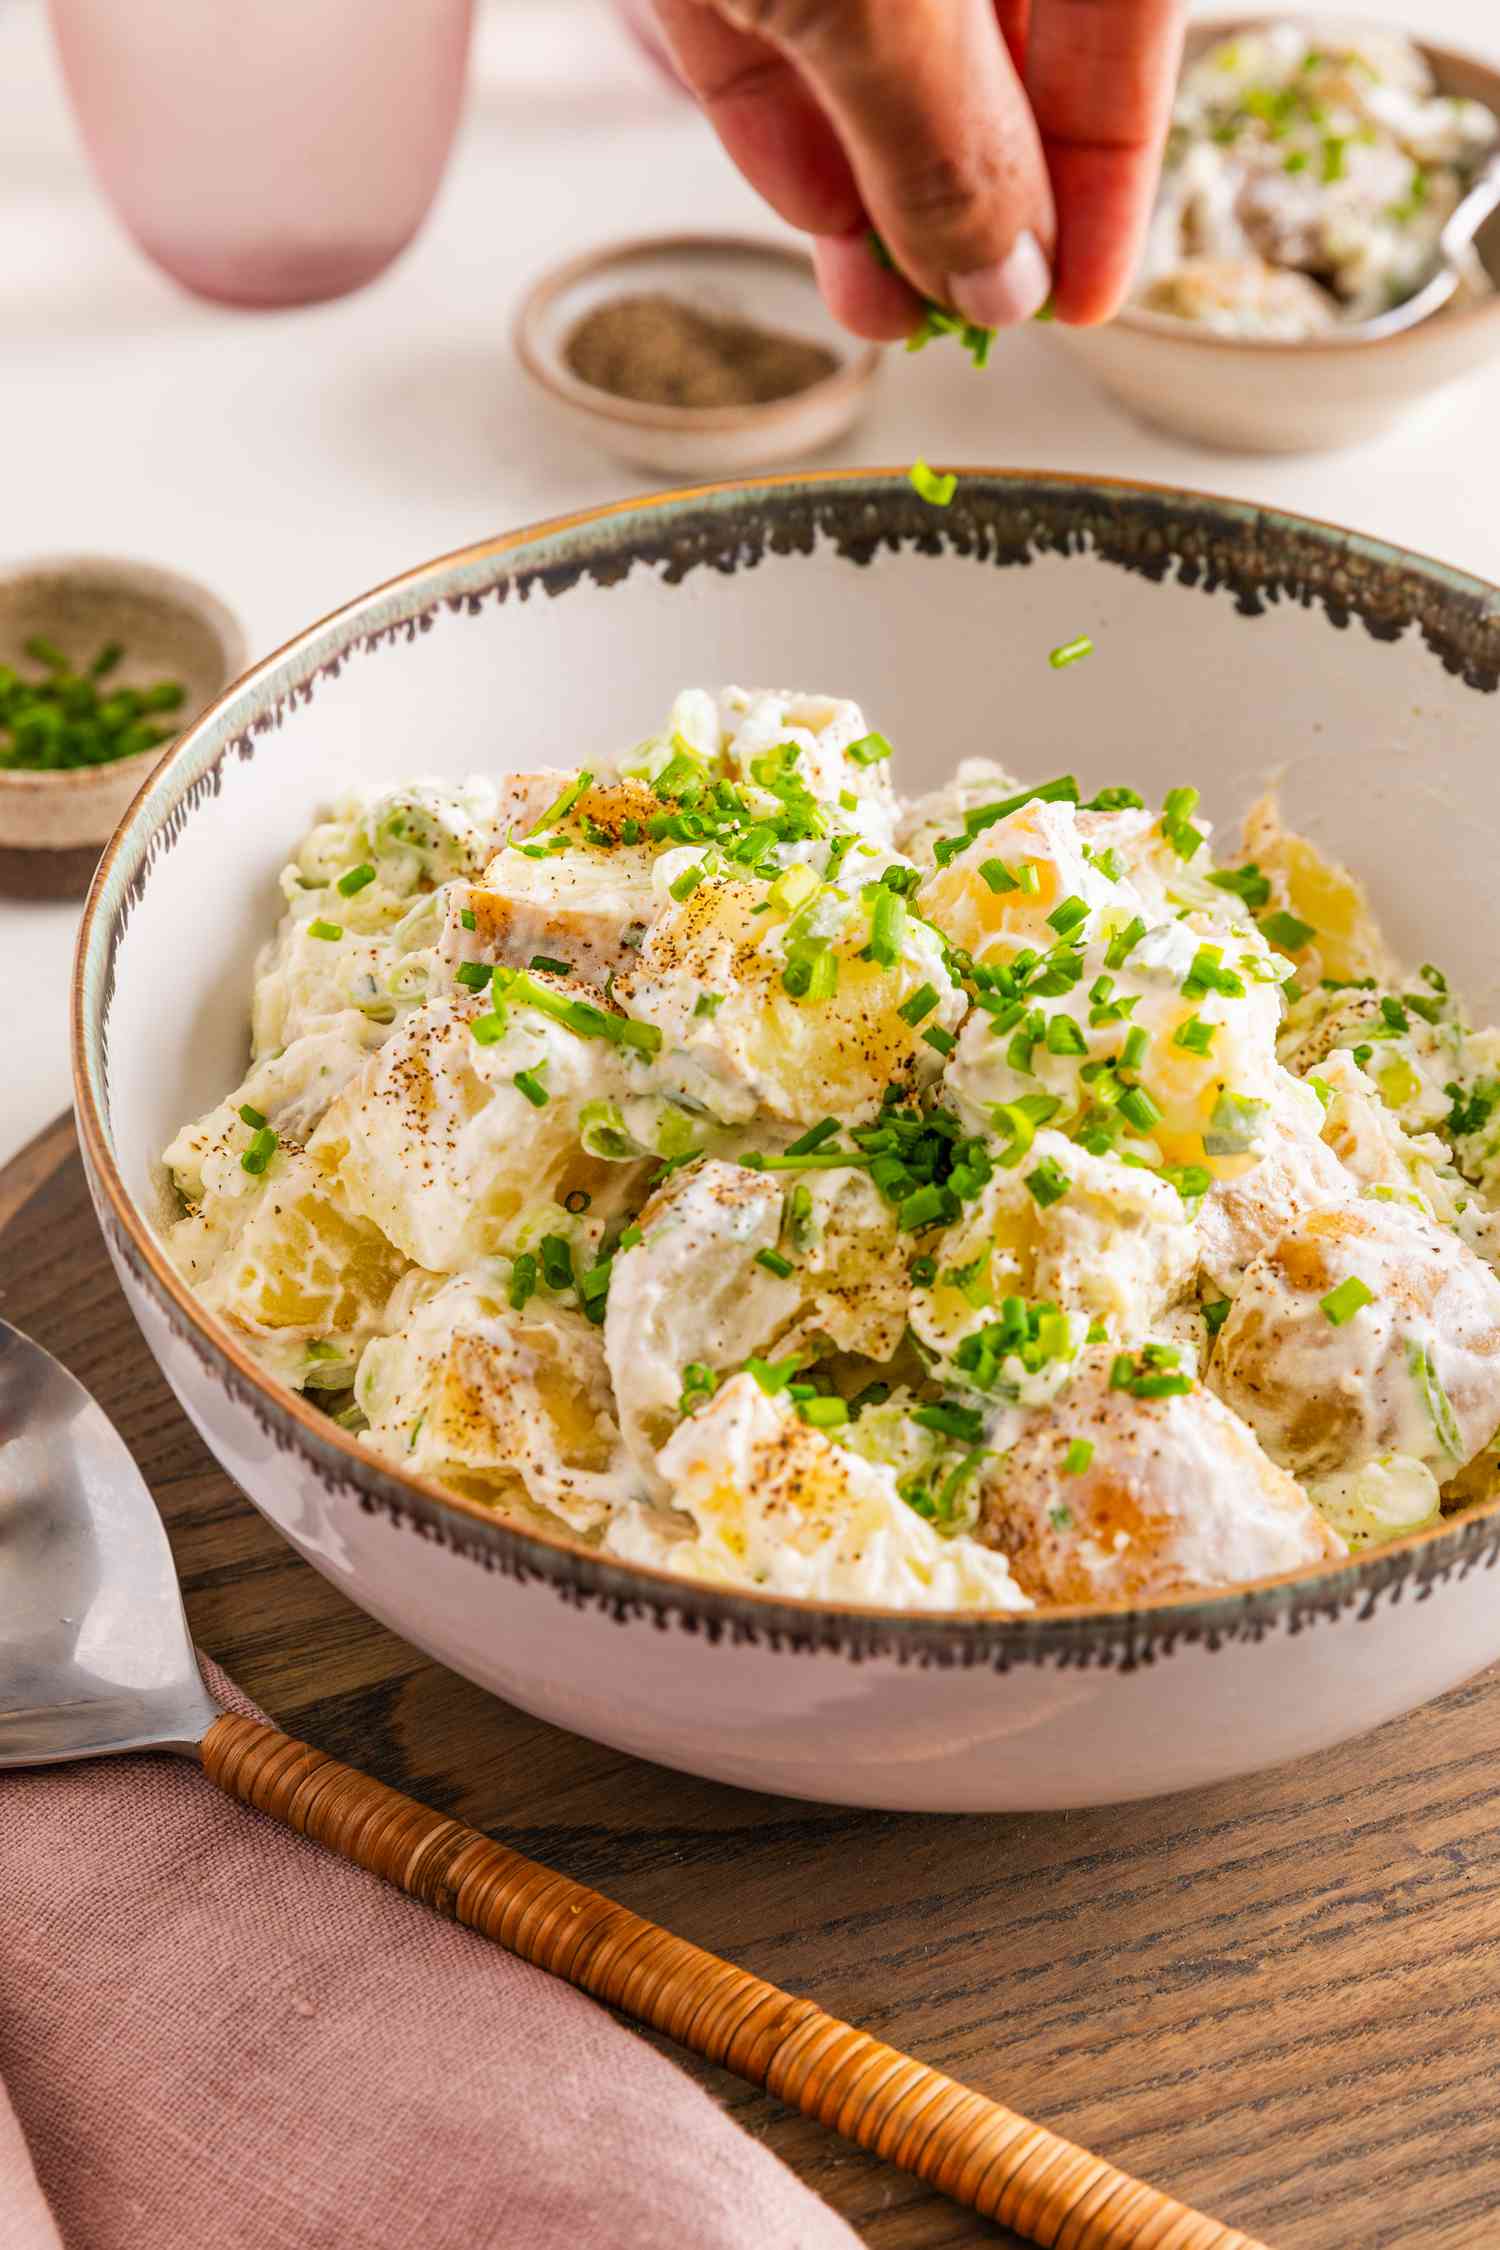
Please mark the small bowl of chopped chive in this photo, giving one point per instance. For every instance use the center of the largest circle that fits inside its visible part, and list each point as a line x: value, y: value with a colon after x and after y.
x: 102, y: 664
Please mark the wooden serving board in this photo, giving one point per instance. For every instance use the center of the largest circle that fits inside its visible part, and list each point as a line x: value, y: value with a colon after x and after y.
x: 1279, y: 1999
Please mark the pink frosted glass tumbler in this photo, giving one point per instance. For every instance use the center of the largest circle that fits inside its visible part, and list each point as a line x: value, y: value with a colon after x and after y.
x: 267, y: 152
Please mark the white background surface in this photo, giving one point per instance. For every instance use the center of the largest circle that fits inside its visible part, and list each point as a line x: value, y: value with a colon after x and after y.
x: 292, y: 460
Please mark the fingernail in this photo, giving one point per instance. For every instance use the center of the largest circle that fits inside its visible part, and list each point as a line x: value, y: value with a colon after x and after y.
x: 1003, y: 295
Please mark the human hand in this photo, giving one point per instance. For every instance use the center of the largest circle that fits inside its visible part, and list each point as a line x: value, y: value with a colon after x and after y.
x: 1006, y: 151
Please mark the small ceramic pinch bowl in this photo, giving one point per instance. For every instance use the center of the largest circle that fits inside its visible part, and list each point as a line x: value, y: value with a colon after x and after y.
x: 1368, y: 677
x: 1256, y: 395
x: 52, y: 824
x: 769, y: 284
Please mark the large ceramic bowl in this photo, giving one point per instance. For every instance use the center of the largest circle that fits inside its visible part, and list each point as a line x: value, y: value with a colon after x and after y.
x: 1254, y: 395
x: 1227, y: 642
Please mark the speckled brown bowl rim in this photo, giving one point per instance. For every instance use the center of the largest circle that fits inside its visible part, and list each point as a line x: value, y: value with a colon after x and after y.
x: 1203, y: 33
x: 853, y: 374
x: 1256, y: 557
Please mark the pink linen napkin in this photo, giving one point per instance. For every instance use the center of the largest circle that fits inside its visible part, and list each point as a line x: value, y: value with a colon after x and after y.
x: 216, y: 2036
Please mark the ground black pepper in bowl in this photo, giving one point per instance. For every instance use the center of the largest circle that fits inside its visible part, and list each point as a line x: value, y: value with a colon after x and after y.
x: 660, y: 351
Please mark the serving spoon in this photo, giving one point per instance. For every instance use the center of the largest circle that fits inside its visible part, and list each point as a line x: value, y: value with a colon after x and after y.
x: 1457, y: 259
x: 96, y: 1658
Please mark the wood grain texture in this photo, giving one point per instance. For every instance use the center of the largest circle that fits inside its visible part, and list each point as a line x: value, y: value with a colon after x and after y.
x: 1278, y: 1999
x: 971, y: 2148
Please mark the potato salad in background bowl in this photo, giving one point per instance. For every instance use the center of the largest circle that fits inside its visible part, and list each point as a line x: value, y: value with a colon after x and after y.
x: 920, y: 1235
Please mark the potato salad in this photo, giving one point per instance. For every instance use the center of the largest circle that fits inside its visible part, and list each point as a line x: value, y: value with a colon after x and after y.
x: 979, y: 1202
x: 1309, y: 175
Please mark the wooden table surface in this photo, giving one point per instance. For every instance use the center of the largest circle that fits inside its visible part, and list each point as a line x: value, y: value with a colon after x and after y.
x: 1279, y: 1999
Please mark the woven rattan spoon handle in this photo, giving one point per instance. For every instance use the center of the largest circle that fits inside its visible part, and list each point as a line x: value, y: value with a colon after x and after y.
x: 958, y: 2141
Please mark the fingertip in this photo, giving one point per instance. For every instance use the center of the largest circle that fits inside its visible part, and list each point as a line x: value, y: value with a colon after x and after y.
x: 863, y: 295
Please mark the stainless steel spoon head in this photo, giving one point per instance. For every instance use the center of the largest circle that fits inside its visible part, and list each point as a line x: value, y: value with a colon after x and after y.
x: 95, y: 1653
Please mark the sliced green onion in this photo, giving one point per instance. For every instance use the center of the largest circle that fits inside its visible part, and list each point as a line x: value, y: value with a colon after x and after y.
x: 1078, y: 1456
x: 773, y: 1262
x: 1064, y: 1037
x: 943, y: 1041
x: 1215, y: 1315
x: 814, y: 1137
x: 965, y: 1423
x: 355, y: 880
x: 527, y: 1082
x: 548, y: 967
x: 468, y: 918
x: 708, y: 1003
x: 793, y: 887
x: 488, y: 1029
x: 557, y: 1261
x: 252, y: 1117
x: 921, y: 1208
x: 921, y: 1003
x: 998, y: 876
x: 1071, y: 652
x: 1247, y: 883
x: 522, y: 1279
x: 1133, y: 1053
x: 475, y: 974
x: 869, y: 750
x: 1068, y: 916
x: 322, y: 929
x: 687, y: 882
x: 824, y: 1413
x: 1139, y: 1110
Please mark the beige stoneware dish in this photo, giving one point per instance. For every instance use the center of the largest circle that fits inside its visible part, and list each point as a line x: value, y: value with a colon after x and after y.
x: 1228, y: 640
x: 53, y: 824
x: 1248, y: 395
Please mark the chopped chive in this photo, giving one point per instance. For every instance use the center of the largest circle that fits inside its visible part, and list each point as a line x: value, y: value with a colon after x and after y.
x: 1124, y: 943
x: 475, y: 974
x: 1215, y: 1314
x: 322, y: 929
x: 1068, y: 916
x: 998, y: 876
x: 1078, y: 1456
x: 1116, y: 800
x: 1247, y: 883
x: 774, y: 1262
x: 687, y: 882
x: 869, y: 750
x: 1341, y: 1304
x: 252, y: 1117
x: 262, y: 1148
x: 522, y: 1279
x: 1071, y: 652
x: 527, y: 1082
x: 965, y: 1423
x: 814, y: 1137
x: 928, y: 485
x: 468, y: 918
x: 549, y: 967
x: 887, y: 928
x: 1288, y: 931
x: 1138, y: 1109
x: 557, y: 1261
x: 1195, y: 1035
x: 562, y: 804
x: 708, y: 1003
x: 355, y: 880
x: 1049, y: 1183
x: 488, y: 1029
x: 943, y: 1041
x: 921, y: 1003
x: 921, y: 1208
x: 824, y: 1413
x: 793, y: 887
x: 1064, y: 1037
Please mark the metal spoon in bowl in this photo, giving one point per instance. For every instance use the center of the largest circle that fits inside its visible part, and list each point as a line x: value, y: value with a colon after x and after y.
x: 95, y: 1657
x: 1457, y: 259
